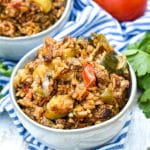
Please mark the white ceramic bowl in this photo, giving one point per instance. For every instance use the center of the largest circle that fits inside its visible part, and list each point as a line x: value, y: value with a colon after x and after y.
x: 84, y: 138
x: 15, y: 48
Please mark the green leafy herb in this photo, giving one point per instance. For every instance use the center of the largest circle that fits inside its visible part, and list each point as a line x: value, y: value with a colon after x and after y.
x: 1, y: 88
x: 130, y: 52
x: 133, y: 46
x: 0, y: 91
x: 138, y: 55
x: 1, y: 96
x: 140, y: 63
x: 144, y: 82
x: 144, y: 45
x: 145, y: 102
x: 145, y: 97
x: 4, y: 70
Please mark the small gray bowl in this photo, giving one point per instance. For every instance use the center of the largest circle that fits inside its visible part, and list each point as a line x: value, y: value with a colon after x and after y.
x: 73, y: 139
x: 15, y: 48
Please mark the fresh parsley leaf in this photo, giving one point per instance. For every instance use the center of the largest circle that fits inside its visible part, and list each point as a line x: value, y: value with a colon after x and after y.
x: 134, y: 46
x: 144, y: 82
x: 138, y: 55
x: 145, y: 96
x: 144, y: 103
x: 1, y: 87
x: 130, y: 52
x: 146, y: 108
x: 140, y: 63
x: 144, y: 44
x: 1, y: 96
x: 4, y: 70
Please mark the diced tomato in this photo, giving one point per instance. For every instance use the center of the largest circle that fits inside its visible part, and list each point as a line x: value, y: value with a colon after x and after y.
x: 88, y: 74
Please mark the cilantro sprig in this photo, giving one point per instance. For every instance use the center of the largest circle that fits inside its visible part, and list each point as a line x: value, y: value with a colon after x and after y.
x: 138, y: 55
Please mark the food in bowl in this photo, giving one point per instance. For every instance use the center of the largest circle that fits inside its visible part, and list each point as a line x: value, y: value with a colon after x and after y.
x: 27, y: 17
x: 73, y: 83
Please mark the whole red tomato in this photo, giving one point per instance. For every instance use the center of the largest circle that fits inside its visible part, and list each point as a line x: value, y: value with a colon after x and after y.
x: 124, y: 10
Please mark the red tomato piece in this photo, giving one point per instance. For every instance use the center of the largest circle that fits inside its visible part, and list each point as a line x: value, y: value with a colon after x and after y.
x: 88, y: 74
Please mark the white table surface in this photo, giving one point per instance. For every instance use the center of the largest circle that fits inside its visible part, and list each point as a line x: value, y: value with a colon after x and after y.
x: 138, y: 139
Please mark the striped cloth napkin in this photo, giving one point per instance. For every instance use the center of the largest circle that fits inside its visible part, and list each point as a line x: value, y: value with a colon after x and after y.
x: 86, y: 17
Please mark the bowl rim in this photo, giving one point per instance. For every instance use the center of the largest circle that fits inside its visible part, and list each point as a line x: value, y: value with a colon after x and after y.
x: 51, y: 28
x: 32, y: 54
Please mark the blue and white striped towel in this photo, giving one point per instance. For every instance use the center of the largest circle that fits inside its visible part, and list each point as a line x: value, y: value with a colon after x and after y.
x: 86, y: 17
